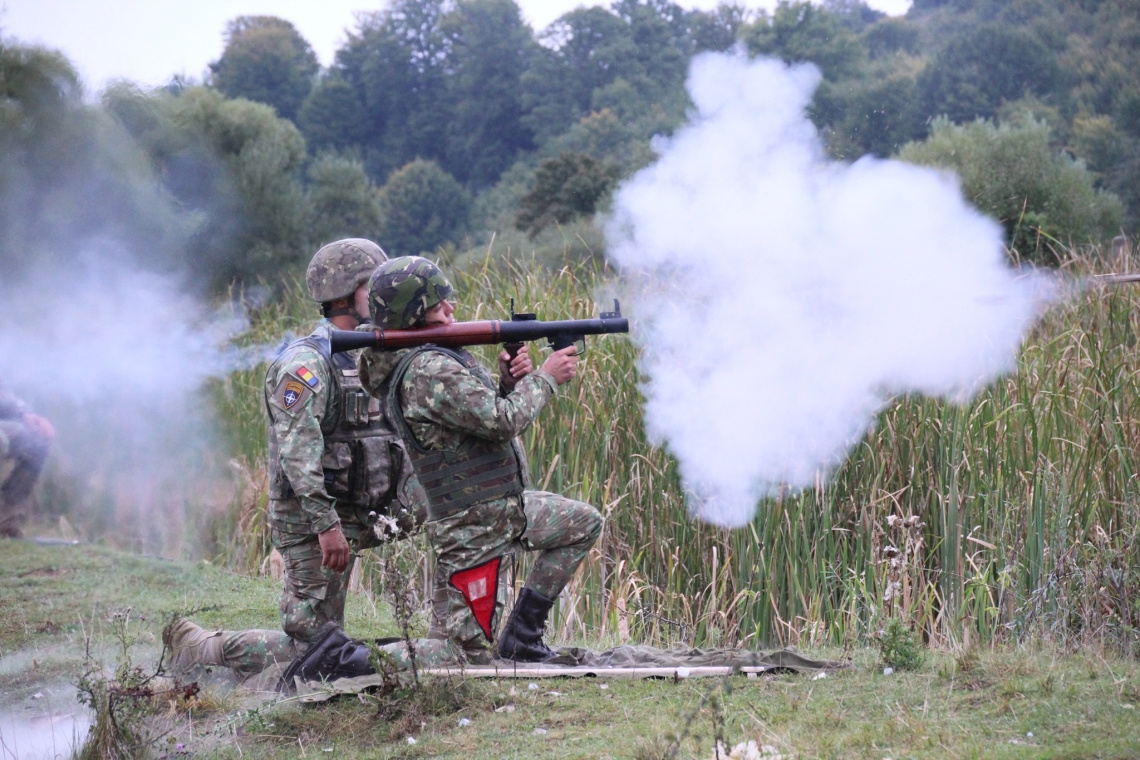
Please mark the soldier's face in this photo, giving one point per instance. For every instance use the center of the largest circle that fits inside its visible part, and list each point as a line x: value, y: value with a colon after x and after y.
x: 440, y: 314
x: 360, y: 301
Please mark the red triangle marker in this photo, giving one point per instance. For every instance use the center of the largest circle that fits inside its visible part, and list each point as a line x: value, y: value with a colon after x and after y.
x: 480, y: 586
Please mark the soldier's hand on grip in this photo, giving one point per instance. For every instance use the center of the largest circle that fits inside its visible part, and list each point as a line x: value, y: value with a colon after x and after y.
x: 513, y: 369
x: 562, y: 365
x: 334, y: 550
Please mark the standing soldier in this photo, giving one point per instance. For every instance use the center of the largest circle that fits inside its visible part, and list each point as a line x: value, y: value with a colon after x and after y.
x: 336, y: 470
x: 25, y: 440
x: 460, y: 430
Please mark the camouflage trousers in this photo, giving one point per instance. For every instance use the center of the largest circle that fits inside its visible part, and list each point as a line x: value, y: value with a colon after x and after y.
x: 312, y: 596
x: 561, y: 530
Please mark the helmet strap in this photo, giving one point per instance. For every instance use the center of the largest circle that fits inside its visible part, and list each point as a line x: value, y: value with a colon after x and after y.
x: 348, y: 309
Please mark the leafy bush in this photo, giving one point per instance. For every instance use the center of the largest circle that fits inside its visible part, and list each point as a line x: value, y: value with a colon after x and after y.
x: 565, y: 188
x: 1011, y: 172
x: 900, y: 647
x: 342, y: 201
x: 423, y: 208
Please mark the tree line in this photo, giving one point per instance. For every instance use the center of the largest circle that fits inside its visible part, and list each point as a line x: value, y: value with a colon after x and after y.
x: 442, y: 121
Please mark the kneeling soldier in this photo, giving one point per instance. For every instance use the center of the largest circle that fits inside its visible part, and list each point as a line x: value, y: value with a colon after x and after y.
x: 336, y: 467
x: 460, y: 432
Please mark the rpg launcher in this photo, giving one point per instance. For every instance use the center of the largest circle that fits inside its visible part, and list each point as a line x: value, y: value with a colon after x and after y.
x: 1114, y: 279
x: 512, y: 334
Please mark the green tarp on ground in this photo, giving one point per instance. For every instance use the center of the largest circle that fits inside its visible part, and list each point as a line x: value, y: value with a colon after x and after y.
x: 620, y: 662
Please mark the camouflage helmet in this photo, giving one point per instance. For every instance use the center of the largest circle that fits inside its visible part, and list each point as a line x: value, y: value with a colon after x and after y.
x: 402, y: 290
x: 340, y: 268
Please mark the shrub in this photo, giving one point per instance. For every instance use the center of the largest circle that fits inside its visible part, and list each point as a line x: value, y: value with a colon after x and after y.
x: 565, y: 188
x: 900, y: 646
x: 1011, y: 172
x: 423, y: 208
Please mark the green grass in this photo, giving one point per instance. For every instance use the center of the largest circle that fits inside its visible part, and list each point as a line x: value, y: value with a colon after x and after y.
x: 980, y: 704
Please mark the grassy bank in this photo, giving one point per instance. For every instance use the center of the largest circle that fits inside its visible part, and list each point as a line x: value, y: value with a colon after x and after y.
x: 1018, y: 702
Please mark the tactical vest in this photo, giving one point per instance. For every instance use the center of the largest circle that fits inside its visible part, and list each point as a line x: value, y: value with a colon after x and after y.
x: 454, y: 480
x: 363, y: 458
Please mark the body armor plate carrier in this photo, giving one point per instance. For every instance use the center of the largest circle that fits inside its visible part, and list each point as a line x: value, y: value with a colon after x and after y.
x: 363, y: 458
x: 454, y: 480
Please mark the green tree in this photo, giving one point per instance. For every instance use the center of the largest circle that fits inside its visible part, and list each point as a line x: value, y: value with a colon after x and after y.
x: 565, y: 188
x: 984, y: 67
x: 267, y: 60
x: 71, y: 180
x: 342, y: 201
x: 1011, y: 172
x: 489, y: 47
x: 235, y: 166
x: 333, y: 116
x: 396, y: 60
x: 801, y: 31
x: 423, y: 208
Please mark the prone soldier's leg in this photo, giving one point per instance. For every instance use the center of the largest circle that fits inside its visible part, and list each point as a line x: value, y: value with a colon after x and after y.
x: 562, y: 531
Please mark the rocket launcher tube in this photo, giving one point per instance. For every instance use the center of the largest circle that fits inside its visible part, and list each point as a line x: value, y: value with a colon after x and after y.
x: 561, y: 334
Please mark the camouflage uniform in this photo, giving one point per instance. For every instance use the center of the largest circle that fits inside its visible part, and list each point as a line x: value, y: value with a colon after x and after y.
x: 450, y: 404
x: 333, y: 459
x: 23, y: 452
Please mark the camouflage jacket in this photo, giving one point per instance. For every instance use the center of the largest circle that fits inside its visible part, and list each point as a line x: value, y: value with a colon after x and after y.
x: 332, y: 453
x: 446, y: 404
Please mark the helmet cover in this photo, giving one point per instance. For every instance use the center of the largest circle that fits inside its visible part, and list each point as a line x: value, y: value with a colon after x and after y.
x: 340, y: 268
x: 402, y: 290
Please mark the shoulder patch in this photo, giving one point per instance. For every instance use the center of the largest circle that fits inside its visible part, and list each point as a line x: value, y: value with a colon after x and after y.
x: 291, y: 393
x: 308, y: 377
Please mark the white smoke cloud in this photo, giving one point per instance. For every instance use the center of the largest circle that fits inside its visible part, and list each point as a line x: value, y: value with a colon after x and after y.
x: 116, y: 357
x: 782, y: 298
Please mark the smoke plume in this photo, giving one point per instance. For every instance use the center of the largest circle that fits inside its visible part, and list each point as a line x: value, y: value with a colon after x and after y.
x: 781, y: 299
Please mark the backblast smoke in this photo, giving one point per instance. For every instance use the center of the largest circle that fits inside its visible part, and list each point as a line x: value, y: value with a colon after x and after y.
x: 781, y: 298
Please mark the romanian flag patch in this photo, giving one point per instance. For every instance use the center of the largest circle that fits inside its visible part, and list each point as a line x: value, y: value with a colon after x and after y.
x: 309, y: 378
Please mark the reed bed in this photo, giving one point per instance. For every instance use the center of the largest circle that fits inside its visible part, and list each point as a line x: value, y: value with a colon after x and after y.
x: 1012, y: 516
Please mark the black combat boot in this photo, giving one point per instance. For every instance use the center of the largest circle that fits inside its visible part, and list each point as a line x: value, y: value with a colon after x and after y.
x: 331, y: 655
x: 521, y: 639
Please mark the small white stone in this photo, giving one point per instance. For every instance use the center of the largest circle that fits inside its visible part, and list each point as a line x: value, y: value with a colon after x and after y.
x: 888, y: 671
x: 603, y: 686
x: 411, y: 740
x: 327, y: 749
x: 1029, y: 734
x: 540, y: 731
x: 505, y: 709
x: 532, y: 687
x: 819, y: 675
x: 464, y: 722
x: 682, y: 672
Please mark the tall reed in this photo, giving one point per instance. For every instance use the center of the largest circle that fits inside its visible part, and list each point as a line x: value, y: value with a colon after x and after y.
x: 1011, y: 515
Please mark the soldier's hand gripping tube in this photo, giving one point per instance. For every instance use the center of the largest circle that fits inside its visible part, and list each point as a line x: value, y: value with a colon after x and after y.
x: 522, y: 328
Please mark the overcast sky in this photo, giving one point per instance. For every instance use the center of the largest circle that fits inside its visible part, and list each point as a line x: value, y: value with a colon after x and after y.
x: 151, y: 40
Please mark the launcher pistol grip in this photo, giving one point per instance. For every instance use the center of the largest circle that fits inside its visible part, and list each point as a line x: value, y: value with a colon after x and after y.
x: 513, y: 349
